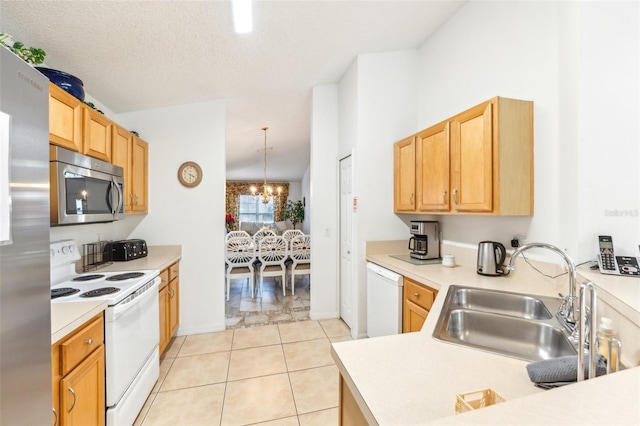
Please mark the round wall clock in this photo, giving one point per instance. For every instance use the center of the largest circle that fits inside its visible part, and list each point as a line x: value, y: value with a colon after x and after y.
x: 189, y: 174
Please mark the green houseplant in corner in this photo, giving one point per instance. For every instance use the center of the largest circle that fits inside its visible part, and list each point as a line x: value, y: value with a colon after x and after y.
x: 294, y: 212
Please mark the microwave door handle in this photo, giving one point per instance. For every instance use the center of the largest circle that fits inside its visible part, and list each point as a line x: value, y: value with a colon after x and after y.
x: 120, y: 198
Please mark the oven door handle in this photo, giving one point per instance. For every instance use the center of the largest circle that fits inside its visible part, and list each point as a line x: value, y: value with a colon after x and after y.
x: 129, y: 302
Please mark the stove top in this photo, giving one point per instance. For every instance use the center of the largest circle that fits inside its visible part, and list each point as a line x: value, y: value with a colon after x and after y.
x: 69, y: 286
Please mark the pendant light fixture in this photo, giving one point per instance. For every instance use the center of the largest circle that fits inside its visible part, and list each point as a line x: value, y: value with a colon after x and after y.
x: 267, y: 191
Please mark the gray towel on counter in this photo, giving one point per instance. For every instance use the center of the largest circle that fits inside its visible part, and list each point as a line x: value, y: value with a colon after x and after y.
x: 561, y: 371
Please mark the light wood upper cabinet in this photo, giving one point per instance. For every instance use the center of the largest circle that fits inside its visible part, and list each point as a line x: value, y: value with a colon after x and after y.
x: 131, y: 153
x: 472, y: 159
x: 65, y: 119
x: 139, y: 175
x: 121, y: 144
x: 97, y: 135
x: 432, y: 169
x: 404, y: 175
x: 477, y: 162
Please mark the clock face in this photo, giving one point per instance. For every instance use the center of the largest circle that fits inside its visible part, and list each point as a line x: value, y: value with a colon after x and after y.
x: 190, y: 174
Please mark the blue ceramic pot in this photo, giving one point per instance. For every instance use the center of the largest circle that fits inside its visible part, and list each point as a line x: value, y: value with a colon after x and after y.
x: 65, y: 81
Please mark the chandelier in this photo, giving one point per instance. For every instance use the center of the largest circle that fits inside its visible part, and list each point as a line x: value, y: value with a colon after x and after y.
x: 267, y: 191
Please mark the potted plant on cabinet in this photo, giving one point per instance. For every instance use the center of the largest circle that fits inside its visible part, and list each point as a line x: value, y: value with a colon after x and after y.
x: 294, y: 212
x: 35, y: 56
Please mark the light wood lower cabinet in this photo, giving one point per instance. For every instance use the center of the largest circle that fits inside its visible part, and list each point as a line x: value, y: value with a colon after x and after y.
x: 169, y: 299
x: 348, y: 413
x: 418, y: 299
x: 78, y: 376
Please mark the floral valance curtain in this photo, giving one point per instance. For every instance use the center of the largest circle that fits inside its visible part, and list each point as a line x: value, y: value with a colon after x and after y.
x: 236, y: 189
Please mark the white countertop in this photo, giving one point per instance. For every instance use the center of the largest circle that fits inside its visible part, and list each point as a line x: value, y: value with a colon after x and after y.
x: 159, y: 257
x: 413, y: 378
x: 66, y: 317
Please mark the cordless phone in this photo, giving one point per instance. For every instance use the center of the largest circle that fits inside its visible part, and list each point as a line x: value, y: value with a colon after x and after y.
x: 607, y: 258
x: 609, y: 263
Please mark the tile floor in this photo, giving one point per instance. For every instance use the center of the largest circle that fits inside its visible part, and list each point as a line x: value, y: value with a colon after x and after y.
x: 277, y: 374
x: 273, y: 308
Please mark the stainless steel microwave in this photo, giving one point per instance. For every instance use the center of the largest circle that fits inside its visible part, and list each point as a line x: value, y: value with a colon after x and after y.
x: 84, y: 189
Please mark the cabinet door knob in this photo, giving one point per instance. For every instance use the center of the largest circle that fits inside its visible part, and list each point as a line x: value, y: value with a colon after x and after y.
x: 444, y: 197
x: 417, y: 295
x: 89, y: 341
x: 455, y: 196
x: 74, y: 398
x: 56, y: 414
x: 411, y: 199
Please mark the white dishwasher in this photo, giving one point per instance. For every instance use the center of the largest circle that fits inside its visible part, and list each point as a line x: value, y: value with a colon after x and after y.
x: 384, y: 301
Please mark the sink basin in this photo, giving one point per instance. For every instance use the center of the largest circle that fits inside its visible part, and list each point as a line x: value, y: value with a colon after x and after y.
x: 511, y: 324
x: 500, y: 302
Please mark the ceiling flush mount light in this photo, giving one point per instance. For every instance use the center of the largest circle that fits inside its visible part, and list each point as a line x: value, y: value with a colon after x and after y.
x: 267, y: 191
x: 242, y: 16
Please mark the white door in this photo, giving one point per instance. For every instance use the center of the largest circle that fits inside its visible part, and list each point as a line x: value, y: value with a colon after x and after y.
x: 346, y: 220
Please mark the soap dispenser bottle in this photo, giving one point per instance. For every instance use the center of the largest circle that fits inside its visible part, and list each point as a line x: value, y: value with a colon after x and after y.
x: 605, y: 334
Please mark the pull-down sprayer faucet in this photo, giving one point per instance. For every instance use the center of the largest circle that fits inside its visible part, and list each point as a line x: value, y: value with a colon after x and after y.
x: 569, y: 306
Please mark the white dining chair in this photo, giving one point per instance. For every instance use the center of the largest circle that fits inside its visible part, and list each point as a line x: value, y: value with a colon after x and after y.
x: 300, y: 254
x: 235, y: 234
x: 290, y: 233
x: 272, y: 253
x: 239, y: 258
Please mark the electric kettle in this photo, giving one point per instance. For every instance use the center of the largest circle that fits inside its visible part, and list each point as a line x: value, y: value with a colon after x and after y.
x: 491, y: 255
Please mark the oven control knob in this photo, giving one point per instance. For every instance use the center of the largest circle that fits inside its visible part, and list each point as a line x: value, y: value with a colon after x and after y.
x: 64, y: 250
x: 72, y: 248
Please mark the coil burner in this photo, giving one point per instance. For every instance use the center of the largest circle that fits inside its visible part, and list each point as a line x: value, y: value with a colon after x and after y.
x: 64, y: 291
x: 125, y: 276
x: 100, y: 292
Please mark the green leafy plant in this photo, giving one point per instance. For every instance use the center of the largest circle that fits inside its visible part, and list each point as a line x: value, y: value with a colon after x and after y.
x: 32, y: 55
x: 294, y: 212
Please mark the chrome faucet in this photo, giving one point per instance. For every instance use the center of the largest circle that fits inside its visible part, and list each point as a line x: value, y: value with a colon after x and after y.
x: 568, y: 310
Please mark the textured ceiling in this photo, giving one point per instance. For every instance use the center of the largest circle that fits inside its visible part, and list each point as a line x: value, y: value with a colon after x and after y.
x: 136, y: 55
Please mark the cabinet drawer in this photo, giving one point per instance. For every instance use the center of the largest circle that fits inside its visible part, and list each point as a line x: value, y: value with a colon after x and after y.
x: 420, y: 295
x: 164, y: 277
x: 81, y: 344
x: 174, y: 271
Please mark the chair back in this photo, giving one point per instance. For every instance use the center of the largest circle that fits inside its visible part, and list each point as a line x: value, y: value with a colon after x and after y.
x: 272, y: 250
x: 289, y: 234
x: 240, y: 252
x: 300, y: 251
x: 234, y: 234
x: 263, y: 232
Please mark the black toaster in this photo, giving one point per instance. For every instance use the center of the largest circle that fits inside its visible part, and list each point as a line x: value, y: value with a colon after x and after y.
x: 123, y: 250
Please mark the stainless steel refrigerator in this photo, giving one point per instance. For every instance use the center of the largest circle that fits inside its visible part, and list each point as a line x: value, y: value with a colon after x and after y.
x: 25, y: 305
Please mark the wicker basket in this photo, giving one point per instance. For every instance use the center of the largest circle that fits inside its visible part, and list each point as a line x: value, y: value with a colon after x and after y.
x: 477, y: 399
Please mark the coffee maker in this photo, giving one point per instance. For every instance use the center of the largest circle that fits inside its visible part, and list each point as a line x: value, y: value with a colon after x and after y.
x: 425, y: 242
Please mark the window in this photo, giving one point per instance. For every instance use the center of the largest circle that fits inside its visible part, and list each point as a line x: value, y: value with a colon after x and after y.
x: 252, y: 209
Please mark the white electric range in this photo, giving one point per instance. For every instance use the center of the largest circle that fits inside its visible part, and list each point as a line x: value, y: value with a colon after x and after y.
x: 131, y: 326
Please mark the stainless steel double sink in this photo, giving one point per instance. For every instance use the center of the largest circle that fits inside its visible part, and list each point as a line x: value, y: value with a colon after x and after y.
x: 511, y: 324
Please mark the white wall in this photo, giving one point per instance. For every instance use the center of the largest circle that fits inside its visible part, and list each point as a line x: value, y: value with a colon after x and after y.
x: 192, y: 217
x: 323, y: 195
x: 572, y: 59
x: 375, y: 106
x: 578, y: 62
